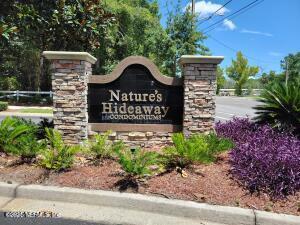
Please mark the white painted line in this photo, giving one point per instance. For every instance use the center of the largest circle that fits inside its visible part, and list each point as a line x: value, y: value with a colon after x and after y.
x: 232, y: 114
x: 226, y: 113
x: 222, y: 118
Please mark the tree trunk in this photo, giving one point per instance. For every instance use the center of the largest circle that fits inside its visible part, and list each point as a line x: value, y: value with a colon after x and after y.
x: 238, y: 89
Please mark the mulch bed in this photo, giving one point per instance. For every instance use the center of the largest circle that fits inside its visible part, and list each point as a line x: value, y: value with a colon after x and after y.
x: 205, y: 183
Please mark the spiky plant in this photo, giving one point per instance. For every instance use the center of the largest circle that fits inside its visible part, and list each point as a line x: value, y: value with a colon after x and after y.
x: 136, y: 162
x: 10, y: 131
x: 200, y: 148
x: 280, y: 106
x: 58, y: 156
x: 99, y: 147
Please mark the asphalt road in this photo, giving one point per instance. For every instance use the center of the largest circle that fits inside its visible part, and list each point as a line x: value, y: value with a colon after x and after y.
x: 35, y: 119
x: 226, y: 108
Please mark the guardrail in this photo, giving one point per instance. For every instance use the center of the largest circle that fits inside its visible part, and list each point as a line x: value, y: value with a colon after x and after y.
x: 230, y: 92
x: 27, y: 94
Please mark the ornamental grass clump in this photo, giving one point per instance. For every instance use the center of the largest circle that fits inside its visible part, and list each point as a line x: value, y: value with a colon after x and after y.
x: 263, y: 160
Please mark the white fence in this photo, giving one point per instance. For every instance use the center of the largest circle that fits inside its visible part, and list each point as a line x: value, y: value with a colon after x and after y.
x: 30, y: 94
x: 230, y: 92
x: 26, y: 94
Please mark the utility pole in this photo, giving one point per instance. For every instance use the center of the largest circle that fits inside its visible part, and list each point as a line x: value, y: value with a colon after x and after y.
x: 193, y: 7
x: 286, y: 72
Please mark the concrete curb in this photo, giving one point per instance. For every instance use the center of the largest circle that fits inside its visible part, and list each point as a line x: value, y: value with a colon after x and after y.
x: 8, y: 190
x: 138, y: 202
x: 267, y: 218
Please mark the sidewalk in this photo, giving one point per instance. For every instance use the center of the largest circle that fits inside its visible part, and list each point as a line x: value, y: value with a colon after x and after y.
x: 82, y: 213
x: 77, y: 206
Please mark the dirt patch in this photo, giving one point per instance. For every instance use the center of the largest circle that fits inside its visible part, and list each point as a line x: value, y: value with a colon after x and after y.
x: 205, y: 183
x: 23, y: 174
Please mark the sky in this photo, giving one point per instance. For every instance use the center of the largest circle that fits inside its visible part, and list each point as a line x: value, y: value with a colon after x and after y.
x: 265, y: 33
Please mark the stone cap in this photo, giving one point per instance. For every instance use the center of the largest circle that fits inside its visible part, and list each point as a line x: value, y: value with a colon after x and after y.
x: 84, y: 56
x: 200, y: 59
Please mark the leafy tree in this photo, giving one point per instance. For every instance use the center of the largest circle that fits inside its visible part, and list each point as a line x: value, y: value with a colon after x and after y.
x: 184, y: 37
x: 271, y: 78
x: 74, y: 25
x: 7, y: 28
x: 136, y: 31
x: 63, y: 24
x: 292, y: 64
x: 240, y: 72
x: 220, y: 79
x: 110, y: 30
x: 8, y: 83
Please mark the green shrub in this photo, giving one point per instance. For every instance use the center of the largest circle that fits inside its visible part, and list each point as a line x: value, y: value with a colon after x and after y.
x: 198, y: 148
x: 135, y: 162
x: 26, y: 146
x: 41, y: 127
x: 10, y: 131
x: 58, y: 156
x: 280, y: 106
x: 218, y: 144
x: 32, y: 127
x: 99, y: 147
x: 3, y: 106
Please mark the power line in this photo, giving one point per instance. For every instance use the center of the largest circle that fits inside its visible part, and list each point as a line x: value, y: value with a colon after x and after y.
x: 214, y: 13
x: 236, y: 12
x: 234, y: 16
x: 235, y: 50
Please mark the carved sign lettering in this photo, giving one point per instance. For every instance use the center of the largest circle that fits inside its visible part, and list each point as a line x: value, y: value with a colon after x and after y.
x: 135, y: 97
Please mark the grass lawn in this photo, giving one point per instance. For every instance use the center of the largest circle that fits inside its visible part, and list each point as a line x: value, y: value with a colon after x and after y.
x: 36, y: 110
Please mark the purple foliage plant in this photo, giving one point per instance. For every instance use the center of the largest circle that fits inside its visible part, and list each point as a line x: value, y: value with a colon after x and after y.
x: 263, y: 160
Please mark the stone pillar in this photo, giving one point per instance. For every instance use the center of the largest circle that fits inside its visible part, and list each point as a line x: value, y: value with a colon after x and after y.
x: 199, y: 74
x: 69, y: 85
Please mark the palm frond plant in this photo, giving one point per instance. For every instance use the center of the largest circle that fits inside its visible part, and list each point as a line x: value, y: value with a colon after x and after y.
x: 199, y: 148
x: 27, y: 147
x: 136, y: 163
x: 99, y: 147
x: 10, y: 131
x: 58, y: 156
x: 280, y: 106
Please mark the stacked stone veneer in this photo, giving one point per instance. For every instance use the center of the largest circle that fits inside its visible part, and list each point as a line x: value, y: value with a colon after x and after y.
x: 149, y: 139
x: 69, y: 84
x: 70, y: 71
x: 199, y: 93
